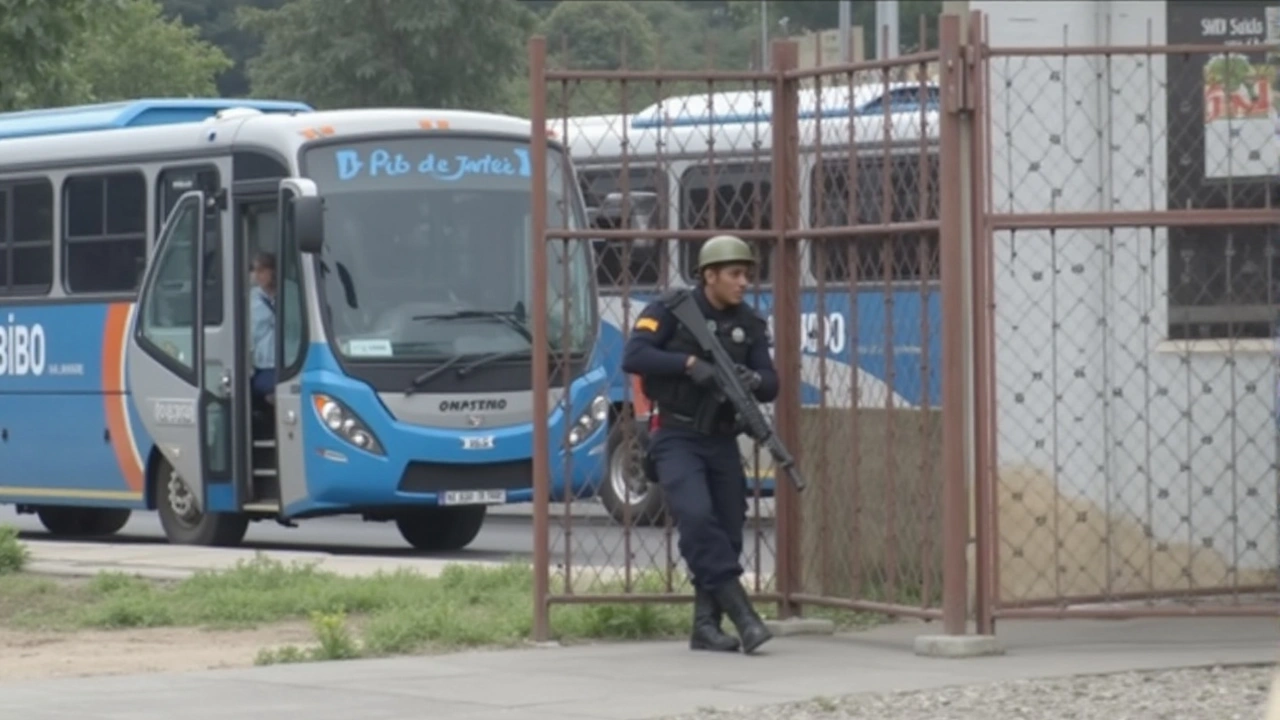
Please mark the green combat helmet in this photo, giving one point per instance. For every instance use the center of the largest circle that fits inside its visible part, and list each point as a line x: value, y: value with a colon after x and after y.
x: 724, y: 249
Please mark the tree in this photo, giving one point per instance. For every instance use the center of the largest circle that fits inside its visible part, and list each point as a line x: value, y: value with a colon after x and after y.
x: 36, y: 37
x: 217, y: 23
x: 600, y: 35
x: 79, y: 51
x: 361, y: 53
x: 133, y: 51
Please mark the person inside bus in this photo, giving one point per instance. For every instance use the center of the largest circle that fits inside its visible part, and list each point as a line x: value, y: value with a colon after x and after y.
x: 262, y: 321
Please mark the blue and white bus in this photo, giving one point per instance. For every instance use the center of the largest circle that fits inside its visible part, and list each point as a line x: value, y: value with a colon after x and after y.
x: 703, y: 162
x: 403, y: 259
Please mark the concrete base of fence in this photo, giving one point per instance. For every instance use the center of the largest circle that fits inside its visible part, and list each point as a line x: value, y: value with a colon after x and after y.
x: 958, y: 646
x: 800, y: 626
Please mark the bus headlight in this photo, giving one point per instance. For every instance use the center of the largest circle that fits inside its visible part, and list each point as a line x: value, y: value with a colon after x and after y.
x: 590, y: 421
x: 343, y: 422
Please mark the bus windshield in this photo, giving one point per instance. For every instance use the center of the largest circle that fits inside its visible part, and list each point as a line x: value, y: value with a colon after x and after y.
x: 428, y: 249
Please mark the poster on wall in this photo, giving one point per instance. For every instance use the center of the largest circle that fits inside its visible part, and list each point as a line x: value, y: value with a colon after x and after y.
x: 1241, y: 99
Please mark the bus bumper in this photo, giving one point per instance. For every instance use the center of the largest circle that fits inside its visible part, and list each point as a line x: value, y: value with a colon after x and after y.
x: 419, y: 465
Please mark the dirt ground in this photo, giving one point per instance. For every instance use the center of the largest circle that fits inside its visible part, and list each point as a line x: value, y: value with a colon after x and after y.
x: 40, y: 655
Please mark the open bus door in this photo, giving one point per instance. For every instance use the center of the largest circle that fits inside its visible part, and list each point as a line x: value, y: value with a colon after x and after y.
x: 182, y: 368
x: 300, y: 234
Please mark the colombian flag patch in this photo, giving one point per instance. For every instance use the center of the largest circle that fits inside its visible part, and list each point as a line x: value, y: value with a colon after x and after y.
x: 647, y: 324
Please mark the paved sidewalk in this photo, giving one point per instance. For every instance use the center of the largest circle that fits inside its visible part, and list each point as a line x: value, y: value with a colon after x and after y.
x: 640, y: 680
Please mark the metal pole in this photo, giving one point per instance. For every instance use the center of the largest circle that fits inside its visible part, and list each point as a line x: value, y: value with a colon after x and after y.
x: 541, y: 370
x: 887, y: 16
x: 764, y: 34
x: 846, y: 31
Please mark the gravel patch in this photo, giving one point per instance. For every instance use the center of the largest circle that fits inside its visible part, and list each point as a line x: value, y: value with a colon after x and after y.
x: 1234, y: 693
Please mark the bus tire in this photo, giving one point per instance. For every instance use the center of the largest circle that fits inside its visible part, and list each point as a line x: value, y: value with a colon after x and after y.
x: 625, y: 493
x: 184, y: 524
x: 82, y: 521
x: 442, y: 529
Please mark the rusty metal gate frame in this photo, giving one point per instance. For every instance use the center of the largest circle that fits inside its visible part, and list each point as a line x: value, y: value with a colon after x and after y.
x: 987, y: 221
x: 788, y: 231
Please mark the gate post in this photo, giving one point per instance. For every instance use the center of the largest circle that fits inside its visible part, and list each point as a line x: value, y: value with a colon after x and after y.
x: 956, y: 331
x: 955, y: 160
x: 541, y: 363
x: 786, y: 310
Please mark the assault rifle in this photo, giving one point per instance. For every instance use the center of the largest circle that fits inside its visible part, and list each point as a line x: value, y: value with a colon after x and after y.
x: 685, y: 309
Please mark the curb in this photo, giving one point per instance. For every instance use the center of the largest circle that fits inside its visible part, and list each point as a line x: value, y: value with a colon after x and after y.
x: 53, y: 568
x: 166, y: 562
x: 594, y: 511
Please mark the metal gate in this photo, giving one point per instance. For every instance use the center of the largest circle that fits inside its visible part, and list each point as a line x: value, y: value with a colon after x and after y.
x: 837, y: 188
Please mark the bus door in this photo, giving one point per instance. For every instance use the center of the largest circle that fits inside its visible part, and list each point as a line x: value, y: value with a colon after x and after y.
x: 183, y: 360
x: 301, y: 235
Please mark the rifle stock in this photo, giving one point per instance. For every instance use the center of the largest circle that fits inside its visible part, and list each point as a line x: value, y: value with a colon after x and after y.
x: 686, y: 311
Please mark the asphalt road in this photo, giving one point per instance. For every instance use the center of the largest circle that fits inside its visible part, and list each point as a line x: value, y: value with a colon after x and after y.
x: 593, y: 540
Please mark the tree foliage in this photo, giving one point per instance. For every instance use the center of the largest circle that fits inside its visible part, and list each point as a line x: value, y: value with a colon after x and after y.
x: 78, y: 51
x: 331, y: 53
x: 36, y: 37
x: 217, y: 21
x: 336, y: 53
x: 600, y: 35
x: 134, y: 51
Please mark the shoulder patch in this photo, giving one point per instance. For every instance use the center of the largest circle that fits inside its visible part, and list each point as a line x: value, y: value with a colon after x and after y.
x: 647, y: 323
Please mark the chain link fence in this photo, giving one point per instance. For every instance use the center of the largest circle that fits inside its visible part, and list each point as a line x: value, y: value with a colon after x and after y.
x: 1022, y: 303
x: 1132, y: 253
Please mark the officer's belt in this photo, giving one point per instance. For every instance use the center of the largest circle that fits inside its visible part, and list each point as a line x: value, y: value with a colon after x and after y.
x: 668, y: 419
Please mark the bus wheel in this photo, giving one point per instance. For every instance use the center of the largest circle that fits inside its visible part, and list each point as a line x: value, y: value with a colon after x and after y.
x: 82, y: 522
x: 182, y: 520
x: 437, y: 529
x: 626, y: 493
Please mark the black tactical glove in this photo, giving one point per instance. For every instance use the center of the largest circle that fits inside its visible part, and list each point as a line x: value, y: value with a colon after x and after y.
x: 750, y: 378
x: 702, y: 373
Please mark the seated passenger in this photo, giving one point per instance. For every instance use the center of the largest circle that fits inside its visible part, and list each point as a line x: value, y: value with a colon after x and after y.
x: 262, y: 321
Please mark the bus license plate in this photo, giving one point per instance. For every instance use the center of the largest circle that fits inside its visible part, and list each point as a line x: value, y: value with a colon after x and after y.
x: 473, y: 497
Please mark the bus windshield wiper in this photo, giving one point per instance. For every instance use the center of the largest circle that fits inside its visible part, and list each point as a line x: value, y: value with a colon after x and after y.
x: 510, y: 318
x: 434, y: 372
x: 491, y: 358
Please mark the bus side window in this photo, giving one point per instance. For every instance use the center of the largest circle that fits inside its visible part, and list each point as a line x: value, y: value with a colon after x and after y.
x: 26, y: 238
x: 173, y: 182
x: 104, y: 232
x: 618, y: 263
x: 727, y: 198
x: 911, y: 256
x: 170, y: 185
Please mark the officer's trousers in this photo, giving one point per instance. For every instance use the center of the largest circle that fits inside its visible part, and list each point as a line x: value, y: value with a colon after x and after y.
x: 706, y: 492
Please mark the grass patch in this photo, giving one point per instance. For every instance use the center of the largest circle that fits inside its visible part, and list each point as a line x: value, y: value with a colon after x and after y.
x: 385, y: 614
x: 397, y: 613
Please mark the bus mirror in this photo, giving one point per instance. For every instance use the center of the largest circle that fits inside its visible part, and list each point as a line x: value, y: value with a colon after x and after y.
x: 308, y: 223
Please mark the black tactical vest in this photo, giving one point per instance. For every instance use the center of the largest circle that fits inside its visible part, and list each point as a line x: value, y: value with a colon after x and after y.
x: 678, y: 398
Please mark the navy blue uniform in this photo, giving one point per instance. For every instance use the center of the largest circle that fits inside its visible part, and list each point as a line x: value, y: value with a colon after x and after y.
x: 698, y: 465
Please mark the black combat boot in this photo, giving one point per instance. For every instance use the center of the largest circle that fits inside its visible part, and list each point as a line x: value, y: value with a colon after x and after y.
x: 707, y: 634
x: 733, y: 599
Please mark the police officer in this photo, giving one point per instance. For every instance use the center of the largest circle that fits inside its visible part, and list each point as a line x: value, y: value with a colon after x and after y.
x: 694, y: 448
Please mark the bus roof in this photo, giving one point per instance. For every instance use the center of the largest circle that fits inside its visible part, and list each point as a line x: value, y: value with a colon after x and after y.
x: 282, y: 132
x: 130, y: 113
x: 756, y: 106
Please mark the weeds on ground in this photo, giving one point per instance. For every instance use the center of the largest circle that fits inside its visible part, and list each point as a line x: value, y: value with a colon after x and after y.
x: 13, y: 554
x: 399, y: 612
x: 385, y: 614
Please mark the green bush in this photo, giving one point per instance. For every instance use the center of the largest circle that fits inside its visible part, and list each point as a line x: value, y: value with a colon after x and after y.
x: 13, y: 554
